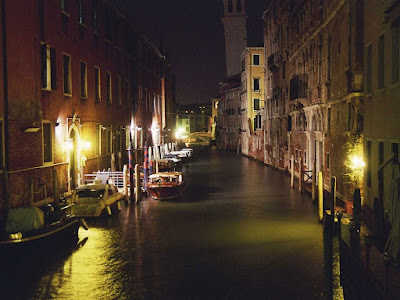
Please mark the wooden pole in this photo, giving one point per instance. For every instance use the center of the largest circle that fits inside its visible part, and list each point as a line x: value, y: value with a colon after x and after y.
x: 55, y: 188
x: 357, y: 208
x: 301, y: 175
x: 320, y: 196
x: 137, y: 183
x: 292, y: 172
x: 333, y: 201
x: 314, y: 181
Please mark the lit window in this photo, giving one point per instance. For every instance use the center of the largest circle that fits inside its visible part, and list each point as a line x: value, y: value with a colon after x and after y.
x: 48, y: 67
x: 47, y: 142
x: 67, y: 74
x: 83, y: 80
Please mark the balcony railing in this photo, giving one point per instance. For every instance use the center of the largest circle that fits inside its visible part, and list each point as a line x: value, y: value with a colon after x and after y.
x: 273, y: 61
x: 298, y: 87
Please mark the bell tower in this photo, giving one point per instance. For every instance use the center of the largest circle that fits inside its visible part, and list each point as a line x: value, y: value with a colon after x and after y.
x: 234, y: 21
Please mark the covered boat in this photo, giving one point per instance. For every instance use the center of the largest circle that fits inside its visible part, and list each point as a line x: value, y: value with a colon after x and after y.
x: 166, y: 185
x: 33, y: 229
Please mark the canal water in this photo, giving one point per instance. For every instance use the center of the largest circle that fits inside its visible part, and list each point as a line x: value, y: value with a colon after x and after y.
x: 240, y: 232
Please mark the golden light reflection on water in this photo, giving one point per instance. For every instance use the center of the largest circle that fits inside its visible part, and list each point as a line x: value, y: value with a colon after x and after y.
x: 89, y: 273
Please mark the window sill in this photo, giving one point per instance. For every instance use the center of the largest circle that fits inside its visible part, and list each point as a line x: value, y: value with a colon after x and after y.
x: 82, y: 25
x: 65, y: 13
x: 395, y: 85
x: 97, y: 100
x: 381, y: 90
x: 84, y: 98
x: 67, y: 95
x: 48, y: 164
x: 47, y: 90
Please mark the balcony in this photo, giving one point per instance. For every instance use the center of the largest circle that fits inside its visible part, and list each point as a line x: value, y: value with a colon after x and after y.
x: 273, y: 61
x: 298, y: 86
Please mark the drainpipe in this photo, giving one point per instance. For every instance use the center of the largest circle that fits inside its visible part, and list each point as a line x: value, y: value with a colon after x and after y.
x: 6, y: 117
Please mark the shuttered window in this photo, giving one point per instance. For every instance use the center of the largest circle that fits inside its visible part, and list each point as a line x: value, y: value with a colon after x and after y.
x: 47, y: 142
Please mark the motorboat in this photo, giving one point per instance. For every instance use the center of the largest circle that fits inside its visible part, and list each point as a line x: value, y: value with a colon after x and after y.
x: 31, y: 230
x: 92, y: 200
x: 166, y: 185
x: 165, y: 165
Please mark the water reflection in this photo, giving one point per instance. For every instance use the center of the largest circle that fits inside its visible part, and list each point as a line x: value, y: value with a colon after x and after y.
x: 239, y: 232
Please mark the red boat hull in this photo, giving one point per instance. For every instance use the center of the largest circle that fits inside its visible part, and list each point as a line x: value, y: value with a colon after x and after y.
x: 165, y: 191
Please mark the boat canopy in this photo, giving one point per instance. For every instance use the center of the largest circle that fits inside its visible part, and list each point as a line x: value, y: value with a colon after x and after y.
x: 24, y: 219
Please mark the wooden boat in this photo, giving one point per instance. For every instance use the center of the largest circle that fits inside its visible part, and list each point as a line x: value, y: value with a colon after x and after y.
x: 33, y: 229
x: 166, y: 185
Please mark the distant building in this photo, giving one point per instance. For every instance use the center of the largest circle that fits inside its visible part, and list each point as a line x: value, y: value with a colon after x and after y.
x: 252, y: 102
x: 229, y: 113
x: 214, y: 116
x: 194, y: 117
x: 234, y: 21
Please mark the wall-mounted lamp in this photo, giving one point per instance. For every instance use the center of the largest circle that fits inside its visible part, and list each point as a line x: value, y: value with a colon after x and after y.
x: 56, y: 124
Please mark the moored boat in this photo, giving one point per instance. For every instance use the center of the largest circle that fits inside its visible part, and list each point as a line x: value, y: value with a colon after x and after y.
x: 32, y: 229
x: 92, y: 200
x: 166, y: 185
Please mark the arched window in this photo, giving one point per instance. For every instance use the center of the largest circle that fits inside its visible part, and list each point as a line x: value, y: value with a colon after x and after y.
x: 239, y: 5
x: 230, y: 6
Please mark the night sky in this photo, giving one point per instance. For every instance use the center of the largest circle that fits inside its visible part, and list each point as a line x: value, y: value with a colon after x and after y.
x: 194, y: 39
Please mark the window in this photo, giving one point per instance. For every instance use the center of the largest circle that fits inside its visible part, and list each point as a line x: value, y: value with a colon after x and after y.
x: 230, y: 6
x: 109, y: 140
x: 64, y: 5
x: 118, y: 89
x: 396, y: 51
x: 256, y: 104
x: 381, y: 62
x: 369, y: 68
x: 243, y: 64
x: 256, y: 59
x: 329, y: 119
x: 328, y: 161
x: 1, y: 144
x: 81, y: 12
x: 395, y: 149
x: 369, y: 160
x: 381, y: 153
x: 127, y: 94
x: 108, y: 23
x: 257, y: 122
x: 283, y: 70
x: 95, y: 17
x: 83, y: 80
x: 98, y: 139
x: 47, y: 142
x: 48, y: 67
x: 97, y: 93
x: 67, y: 74
x: 109, y: 88
x: 349, y: 119
x: 329, y: 57
x: 256, y: 84
x: 239, y: 5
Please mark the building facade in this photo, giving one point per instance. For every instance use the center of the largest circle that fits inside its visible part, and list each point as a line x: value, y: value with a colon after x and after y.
x: 252, y: 102
x: 80, y: 85
x: 381, y: 106
x: 229, y: 113
x: 314, y: 87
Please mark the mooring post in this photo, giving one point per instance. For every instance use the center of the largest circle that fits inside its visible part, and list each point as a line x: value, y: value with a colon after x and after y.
x: 137, y: 184
x: 131, y: 173
x: 292, y: 171
x: 145, y: 166
x: 55, y: 187
x: 333, y: 201
x: 320, y: 196
x: 357, y: 208
x: 301, y: 175
x: 314, y: 181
